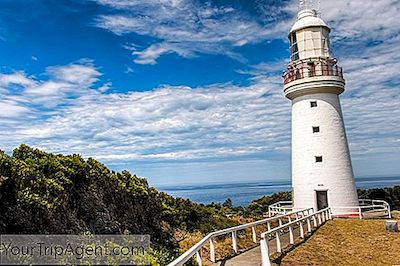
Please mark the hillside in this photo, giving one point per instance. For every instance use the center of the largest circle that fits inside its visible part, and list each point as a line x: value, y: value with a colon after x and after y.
x: 43, y: 193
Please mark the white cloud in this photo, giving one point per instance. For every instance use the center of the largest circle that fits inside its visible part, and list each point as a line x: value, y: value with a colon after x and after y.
x: 360, y: 21
x: 17, y: 78
x: 150, y: 54
x: 169, y: 123
x: 216, y: 121
x: 20, y: 93
x: 187, y: 27
x: 11, y: 109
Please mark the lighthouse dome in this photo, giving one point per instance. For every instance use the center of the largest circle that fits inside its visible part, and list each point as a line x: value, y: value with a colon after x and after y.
x: 308, y: 18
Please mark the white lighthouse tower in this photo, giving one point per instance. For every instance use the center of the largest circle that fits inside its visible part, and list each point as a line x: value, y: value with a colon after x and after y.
x: 322, y: 173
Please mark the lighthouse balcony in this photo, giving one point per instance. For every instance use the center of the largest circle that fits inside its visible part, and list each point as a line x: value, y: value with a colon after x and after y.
x: 313, y: 77
x: 310, y: 70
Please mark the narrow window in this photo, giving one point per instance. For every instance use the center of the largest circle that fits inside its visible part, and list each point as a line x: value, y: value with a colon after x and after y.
x: 318, y: 159
x: 315, y: 129
x: 313, y: 104
x: 294, y: 49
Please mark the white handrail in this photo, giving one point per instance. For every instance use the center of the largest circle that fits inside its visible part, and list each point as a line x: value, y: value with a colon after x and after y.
x: 195, y: 250
x: 322, y: 216
x: 280, y: 207
x: 365, y: 205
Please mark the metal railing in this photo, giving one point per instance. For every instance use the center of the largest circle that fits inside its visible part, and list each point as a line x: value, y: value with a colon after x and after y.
x: 281, y: 207
x: 308, y: 71
x: 313, y: 221
x: 366, y: 207
x: 195, y: 251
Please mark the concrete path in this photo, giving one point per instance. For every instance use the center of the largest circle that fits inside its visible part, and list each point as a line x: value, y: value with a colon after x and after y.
x: 252, y: 257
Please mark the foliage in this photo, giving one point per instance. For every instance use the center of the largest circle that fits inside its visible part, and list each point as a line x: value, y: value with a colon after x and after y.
x: 390, y: 195
x: 260, y: 206
x: 43, y: 193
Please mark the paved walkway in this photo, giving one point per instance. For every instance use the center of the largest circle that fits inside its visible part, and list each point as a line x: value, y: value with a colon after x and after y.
x: 252, y: 257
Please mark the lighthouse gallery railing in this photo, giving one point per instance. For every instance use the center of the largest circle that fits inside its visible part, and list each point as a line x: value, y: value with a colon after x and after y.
x: 307, y: 71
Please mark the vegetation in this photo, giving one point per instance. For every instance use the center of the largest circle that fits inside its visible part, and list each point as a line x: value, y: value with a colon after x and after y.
x: 348, y: 242
x: 390, y: 195
x: 43, y: 193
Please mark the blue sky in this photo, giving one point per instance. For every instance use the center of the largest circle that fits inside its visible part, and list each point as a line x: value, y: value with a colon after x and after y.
x: 188, y: 91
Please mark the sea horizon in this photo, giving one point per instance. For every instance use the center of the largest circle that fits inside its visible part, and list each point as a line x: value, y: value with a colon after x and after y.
x: 243, y: 193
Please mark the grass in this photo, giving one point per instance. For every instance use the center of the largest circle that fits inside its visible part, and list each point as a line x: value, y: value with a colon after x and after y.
x: 348, y: 242
x: 223, y: 244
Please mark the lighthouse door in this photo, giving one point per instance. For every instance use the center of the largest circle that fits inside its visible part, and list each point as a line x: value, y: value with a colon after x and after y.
x: 322, y: 200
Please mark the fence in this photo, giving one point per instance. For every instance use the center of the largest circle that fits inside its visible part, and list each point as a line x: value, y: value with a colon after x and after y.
x: 313, y: 221
x: 368, y: 208
x: 281, y: 207
x: 195, y: 251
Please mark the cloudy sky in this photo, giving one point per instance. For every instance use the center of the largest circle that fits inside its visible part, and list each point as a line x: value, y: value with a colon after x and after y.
x: 188, y: 91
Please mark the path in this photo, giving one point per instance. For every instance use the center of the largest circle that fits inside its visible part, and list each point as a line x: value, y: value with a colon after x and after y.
x: 252, y: 257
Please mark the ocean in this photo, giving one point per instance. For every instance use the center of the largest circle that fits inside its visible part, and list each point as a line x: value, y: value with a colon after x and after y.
x: 242, y: 194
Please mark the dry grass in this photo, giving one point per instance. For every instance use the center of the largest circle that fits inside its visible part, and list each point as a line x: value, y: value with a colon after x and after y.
x: 348, y: 242
x: 223, y: 244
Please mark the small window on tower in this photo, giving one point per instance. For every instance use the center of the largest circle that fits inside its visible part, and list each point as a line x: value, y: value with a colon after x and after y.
x: 318, y: 159
x: 315, y: 129
x: 313, y: 104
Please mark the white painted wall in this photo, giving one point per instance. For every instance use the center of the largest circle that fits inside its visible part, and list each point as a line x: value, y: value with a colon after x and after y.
x: 335, y: 173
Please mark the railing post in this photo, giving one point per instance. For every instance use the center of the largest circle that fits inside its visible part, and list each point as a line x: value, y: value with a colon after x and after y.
x: 264, y: 252
x: 314, y: 221
x: 278, y: 242
x: 319, y: 219
x: 280, y: 222
x: 198, y: 258
x: 301, y: 229
x: 254, y: 233
x: 308, y: 225
x: 234, y: 241
x: 212, y: 250
x: 269, y: 226
x: 291, y: 236
x: 359, y: 213
x: 269, y: 212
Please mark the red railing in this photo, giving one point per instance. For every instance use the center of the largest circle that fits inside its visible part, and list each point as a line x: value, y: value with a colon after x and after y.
x: 308, y: 71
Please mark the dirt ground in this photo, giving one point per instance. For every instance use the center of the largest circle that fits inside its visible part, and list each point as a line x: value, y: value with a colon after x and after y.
x: 348, y: 242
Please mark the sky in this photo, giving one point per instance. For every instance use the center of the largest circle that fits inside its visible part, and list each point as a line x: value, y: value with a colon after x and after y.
x: 189, y: 91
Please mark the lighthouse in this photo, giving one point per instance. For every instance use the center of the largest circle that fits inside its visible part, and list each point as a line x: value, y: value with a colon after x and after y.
x: 322, y: 174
